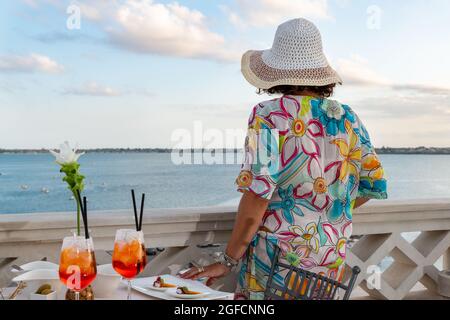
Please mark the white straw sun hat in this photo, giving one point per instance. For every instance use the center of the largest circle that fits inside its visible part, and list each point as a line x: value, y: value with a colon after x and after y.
x: 296, y: 58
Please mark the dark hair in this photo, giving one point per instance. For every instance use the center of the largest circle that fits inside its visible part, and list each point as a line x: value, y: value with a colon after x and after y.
x: 320, y: 91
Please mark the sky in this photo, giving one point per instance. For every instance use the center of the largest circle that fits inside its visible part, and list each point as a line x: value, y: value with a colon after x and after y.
x: 131, y: 73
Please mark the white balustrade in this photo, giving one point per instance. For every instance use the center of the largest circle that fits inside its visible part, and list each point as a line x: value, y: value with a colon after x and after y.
x: 380, y: 225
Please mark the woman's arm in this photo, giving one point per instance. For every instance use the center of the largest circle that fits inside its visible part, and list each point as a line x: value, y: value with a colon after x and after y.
x: 249, y: 217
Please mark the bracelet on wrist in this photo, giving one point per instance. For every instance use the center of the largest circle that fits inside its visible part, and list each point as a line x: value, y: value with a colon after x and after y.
x: 227, y: 261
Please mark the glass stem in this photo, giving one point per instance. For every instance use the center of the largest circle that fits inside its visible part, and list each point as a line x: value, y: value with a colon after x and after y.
x: 129, y: 290
x: 77, y: 295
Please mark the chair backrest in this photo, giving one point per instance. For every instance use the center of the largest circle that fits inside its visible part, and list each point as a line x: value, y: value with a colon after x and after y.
x: 305, y: 285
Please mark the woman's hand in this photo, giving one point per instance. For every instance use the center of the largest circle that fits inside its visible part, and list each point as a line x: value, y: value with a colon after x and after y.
x: 250, y: 215
x: 213, y: 272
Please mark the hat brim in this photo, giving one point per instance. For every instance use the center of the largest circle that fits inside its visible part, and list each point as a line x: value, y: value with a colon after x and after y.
x: 262, y: 76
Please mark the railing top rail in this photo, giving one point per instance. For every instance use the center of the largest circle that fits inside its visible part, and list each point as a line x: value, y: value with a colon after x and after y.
x: 216, y: 212
x: 377, y: 216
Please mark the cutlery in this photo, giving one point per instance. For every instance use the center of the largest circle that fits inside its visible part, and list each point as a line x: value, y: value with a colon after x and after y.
x: 22, y: 285
x: 16, y: 267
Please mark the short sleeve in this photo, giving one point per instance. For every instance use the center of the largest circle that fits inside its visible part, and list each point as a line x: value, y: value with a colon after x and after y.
x: 259, y: 170
x: 372, y: 184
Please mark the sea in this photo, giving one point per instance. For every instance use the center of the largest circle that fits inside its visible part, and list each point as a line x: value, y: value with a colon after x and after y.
x: 32, y: 182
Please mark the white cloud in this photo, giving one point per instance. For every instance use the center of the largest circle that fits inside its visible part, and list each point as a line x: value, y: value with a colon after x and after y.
x: 232, y: 16
x: 396, y: 120
x: 415, y: 114
x: 357, y: 71
x: 92, y: 12
x: 36, y: 3
x: 423, y: 89
x: 155, y: 28
x: 31, y: 63
x: 261, y: 13
x: 93, y: 89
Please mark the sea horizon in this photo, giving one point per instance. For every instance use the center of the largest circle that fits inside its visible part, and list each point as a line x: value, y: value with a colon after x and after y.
x: 382, y: 150
x: 32, y: 182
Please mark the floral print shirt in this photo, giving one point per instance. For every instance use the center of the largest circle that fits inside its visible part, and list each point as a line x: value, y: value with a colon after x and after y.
x: 311, y: 158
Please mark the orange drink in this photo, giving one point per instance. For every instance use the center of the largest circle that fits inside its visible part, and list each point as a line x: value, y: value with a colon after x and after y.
x: 129, y: 257
x: 77, y: 267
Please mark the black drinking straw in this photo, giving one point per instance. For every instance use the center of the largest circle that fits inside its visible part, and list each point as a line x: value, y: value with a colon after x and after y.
x: 85, y: 220
x: 135, y: 210
x: 142, y: 211
x: 83, y: 206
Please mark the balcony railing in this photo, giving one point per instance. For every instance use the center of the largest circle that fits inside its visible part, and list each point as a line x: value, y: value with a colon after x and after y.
x: 381, y: 226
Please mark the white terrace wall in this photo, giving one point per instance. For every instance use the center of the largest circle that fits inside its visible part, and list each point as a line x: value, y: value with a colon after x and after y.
x: 27, y: 237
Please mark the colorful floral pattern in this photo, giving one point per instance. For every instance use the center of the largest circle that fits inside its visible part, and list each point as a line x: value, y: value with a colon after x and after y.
x: 320, y: 159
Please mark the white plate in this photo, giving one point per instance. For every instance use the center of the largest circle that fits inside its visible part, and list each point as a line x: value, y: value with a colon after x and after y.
x: 37, y: 265
x: 173, y: 292
x: 157, y: 289
x: 42, y: 274
x: 143, y: 285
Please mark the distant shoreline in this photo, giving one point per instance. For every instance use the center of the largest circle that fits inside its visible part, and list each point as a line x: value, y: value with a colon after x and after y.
x: 384, y: 150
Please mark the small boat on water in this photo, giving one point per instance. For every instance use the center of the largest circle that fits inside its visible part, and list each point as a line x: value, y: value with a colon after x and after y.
x: 24, y: 187
x: 45, y: 190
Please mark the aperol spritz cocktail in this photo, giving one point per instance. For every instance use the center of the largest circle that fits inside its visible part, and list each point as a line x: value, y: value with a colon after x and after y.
x: 129, y: 257
x: 77, y: 266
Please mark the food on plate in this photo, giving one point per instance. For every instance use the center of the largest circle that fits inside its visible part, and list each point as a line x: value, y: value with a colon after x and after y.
x: 185, y: 290
x: 45, y: 289
x: 160, y: 283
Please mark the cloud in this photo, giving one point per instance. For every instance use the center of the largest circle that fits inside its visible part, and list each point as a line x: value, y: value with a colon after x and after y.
x: 233, y: 17
x: 423, y: 89
x: 168, y: 29
x: 28, y: 64
x: 93, y: 89
x: 415, y: 114
x: 56, y: 37
x: 397, y: 120
x: 357, y: 71
x: 35, y: 3
x: 93, y: 12
x: 262, y: 13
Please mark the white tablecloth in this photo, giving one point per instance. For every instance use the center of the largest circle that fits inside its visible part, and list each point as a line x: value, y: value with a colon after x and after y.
x: 120, y: 294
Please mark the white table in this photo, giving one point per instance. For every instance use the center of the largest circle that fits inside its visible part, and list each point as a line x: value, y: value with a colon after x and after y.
x: 120, y: 294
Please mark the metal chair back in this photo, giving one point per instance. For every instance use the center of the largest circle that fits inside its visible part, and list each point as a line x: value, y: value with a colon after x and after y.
x: 306, y: 285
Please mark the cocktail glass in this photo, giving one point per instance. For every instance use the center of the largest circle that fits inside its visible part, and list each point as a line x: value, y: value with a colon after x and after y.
x: 129, y: 257
x: 77, y: 266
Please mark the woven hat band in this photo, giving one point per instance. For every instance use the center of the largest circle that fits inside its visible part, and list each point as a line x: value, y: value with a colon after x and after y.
x: 262, y: 76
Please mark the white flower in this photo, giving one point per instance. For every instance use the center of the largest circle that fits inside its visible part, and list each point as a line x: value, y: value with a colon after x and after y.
x: 334, y: 110
x: 66, y: 154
